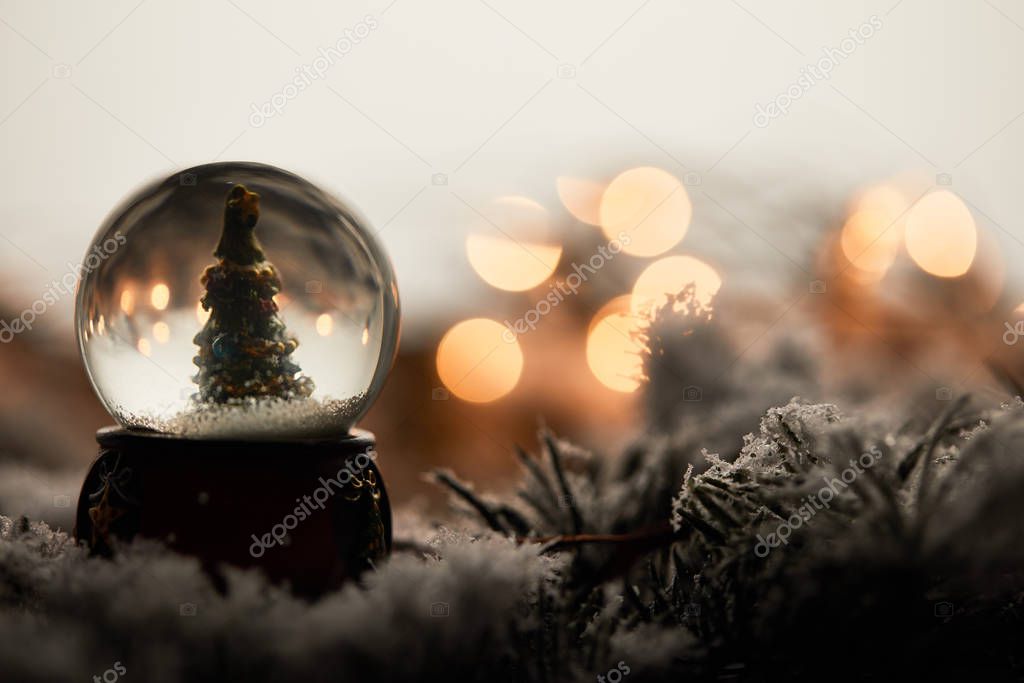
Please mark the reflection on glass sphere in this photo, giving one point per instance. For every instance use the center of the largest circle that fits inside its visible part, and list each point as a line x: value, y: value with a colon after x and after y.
x: 236, y: 300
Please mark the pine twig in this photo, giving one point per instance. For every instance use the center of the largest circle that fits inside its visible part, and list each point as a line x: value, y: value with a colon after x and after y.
x: 463, y: 492
x: 537, y: 473
x: 660, y: 535
x: 556, y: 465
x: 930, y: 439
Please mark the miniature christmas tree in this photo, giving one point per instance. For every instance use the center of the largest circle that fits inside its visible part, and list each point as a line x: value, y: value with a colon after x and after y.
x: 244, y: 348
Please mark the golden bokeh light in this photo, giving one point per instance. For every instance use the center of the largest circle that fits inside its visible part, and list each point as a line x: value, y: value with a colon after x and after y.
x: 669, y: 276
x: 160, y: 296
x: 479, y: 361
x: 872, y: 234
x: 510, y: 265
x: 512, y: 249
x: 581, y: 198
x: 649, y: 205
x: 144, y: 347
x: 941, y: 236
x: 161, y: 332
x: 324, y: 324
x: 870, y: 242
x: 127, y: 301
x: 613, y: 351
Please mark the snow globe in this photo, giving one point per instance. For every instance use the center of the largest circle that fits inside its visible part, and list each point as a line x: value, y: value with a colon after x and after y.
x: 236, y: 323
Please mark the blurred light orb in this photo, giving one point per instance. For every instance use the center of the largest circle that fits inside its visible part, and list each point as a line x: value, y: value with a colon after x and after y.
x: 613, y: 351
x: 941, y: 236
x: 160, y: 296
x: 581, y: 198
x: 127, y: 300
x: 511, y: 249
x: 667, y: 277
x: 651, y: 206
x: 873, y: 233
x: 138, y: 307
x: 161, y: 332
x: 479, y: 361
x: 870, y: 242
x: 324, y: 324
x: 510, y: 265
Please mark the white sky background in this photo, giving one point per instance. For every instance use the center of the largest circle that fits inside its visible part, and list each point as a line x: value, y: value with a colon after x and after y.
x: 472, y: 89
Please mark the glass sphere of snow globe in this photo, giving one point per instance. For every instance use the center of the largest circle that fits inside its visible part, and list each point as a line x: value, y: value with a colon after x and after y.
x: 237, y: 301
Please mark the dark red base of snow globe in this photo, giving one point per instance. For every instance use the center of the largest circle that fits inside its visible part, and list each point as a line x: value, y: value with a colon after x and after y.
x: 312, y: 514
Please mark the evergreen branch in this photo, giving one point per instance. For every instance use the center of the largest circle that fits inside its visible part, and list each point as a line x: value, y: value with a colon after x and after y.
x: 514, y: 519
x: 463, y: 491
x: 930, y: 439
x: 537, y: 473
x: 655, y: 537
x: 556, y: 465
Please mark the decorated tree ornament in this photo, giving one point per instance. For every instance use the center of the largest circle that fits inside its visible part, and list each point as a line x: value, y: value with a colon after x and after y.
x: 236, y: 321
x: 213, y: 298
x: 244, y: 350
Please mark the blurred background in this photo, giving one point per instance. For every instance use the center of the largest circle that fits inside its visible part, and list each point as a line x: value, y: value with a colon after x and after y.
x: 842, y: 177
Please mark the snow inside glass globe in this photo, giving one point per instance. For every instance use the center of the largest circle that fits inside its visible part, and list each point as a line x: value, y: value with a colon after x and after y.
x: 237, y: 301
